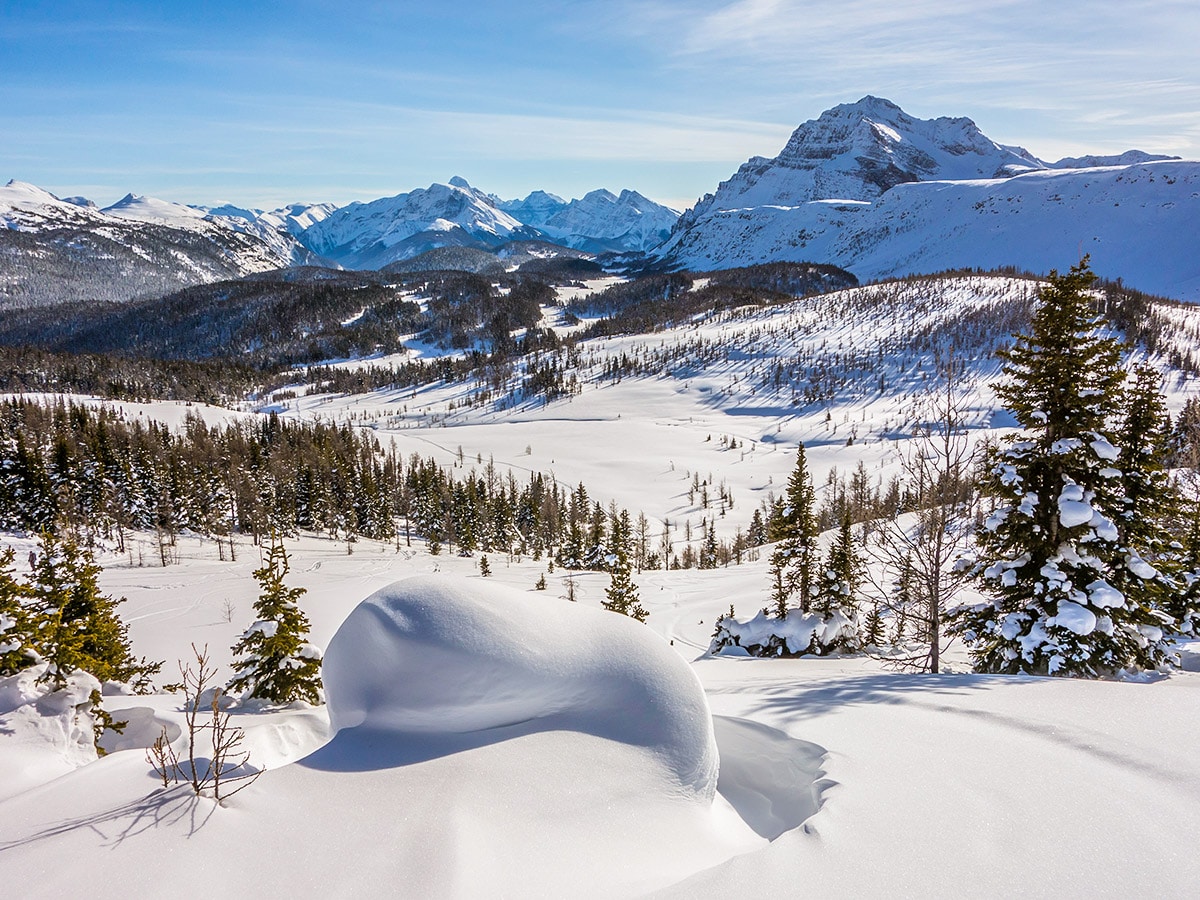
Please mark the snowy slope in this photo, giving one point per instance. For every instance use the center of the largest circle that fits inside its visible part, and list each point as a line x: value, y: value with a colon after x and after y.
x: 873, y: 190
x: 954, y: 785
x: 1134, y: 221
x: 53, y: 250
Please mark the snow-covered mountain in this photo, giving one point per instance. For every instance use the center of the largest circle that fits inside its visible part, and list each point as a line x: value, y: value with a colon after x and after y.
x: 603, y: 221
x: 1128, y: 158
x: 536, y: 209
x: 54, y: 250
x: 371, y: 235
x: 394, y: 229
x: 294, y: 218
x: 869, y: 188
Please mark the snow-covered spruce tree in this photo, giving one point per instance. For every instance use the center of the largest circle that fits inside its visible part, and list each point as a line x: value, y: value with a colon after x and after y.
x: 793, y: 560
x: 276, y: 663
x: 1050, y: 554
x: 622, y: 594
x: 836, y: 600
x: 1151, y: 508
x: 16, y: 637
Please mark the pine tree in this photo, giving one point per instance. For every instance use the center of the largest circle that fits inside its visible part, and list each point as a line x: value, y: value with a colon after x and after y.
x: 276, y: 662
x: 622, y: 594
x: 793, y: 560
x: 485, y: 568
x: 1051, y: 552
x: 837, y: 591
x: 16, y: 633
x: 1150, y: 506
x: 709, y: 550
x: 75, y: 626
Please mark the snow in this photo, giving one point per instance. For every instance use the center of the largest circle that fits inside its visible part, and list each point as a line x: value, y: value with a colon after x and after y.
x: 1074, y: 617
x: 1105, y: 450
x: 1104, y: 595
x: 946, y: 784
x: 47, y: 735
x: 832, y: 761
x: 1140, y: 567
x: 968, y: 209
x: 438, y: 655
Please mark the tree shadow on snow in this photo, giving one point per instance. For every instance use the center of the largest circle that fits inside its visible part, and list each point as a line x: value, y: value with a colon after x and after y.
x: 166, y: 807
x: 827, y: 695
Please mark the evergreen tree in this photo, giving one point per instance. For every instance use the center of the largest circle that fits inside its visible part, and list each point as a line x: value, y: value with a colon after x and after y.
x: 485, y: 568
x: 276, y: 662
x: 16, y: 636
x: 708, y: 552
x: 793, y: 560
x: 75, y: 626
x: 838, y: 588
x: 1051, y: 553
x: 1150, y: 506
x: 622, y: 594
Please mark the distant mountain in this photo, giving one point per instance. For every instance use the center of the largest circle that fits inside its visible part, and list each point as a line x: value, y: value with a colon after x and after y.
x: 603, y: 222
x: 1128, y: 158
x: 871, y: 189
x: 54, y: 250
x: 535, y: 209
x: 395, y: 229
x: 391, y: 229
x: 294, y: 218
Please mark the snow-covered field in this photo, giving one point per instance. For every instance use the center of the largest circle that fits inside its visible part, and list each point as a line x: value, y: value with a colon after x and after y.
x: 837, y: 775
x: 515, y: 744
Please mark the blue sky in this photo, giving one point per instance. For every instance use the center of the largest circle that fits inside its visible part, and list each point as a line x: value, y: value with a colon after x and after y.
x: 263, y: 103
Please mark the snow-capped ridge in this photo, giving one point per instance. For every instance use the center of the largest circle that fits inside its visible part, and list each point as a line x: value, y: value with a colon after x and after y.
x: 867, y: 187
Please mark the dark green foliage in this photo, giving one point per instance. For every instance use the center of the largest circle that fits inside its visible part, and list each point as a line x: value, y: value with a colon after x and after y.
x: 794, y: 558
x: 75, y: 626
x: 16, y: 626
x: 621, y: 595
x: 276, y: 661
x: 838, y: 586
x: 1062, y: 552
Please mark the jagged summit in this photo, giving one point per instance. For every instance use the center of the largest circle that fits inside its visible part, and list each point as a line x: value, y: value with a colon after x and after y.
x: 872, y: 189
x: 857, y: 151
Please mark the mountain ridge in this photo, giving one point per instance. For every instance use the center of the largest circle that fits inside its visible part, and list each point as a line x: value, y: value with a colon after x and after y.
x: 873, y: 190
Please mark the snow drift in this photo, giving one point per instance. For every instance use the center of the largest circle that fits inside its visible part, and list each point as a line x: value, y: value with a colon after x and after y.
x: 438, y: 655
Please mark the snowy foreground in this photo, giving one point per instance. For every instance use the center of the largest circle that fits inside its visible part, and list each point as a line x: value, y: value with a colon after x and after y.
x: 499, y: 741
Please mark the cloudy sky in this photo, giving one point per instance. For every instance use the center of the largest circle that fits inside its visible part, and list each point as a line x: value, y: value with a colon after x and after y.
x: 261, y: 103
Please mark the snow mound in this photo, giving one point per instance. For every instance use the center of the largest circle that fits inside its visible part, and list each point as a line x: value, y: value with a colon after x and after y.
x: 48, y: 732
x: 451, y: 656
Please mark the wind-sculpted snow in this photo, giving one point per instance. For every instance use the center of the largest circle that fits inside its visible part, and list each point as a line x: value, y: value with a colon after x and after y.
x: 447, y: 656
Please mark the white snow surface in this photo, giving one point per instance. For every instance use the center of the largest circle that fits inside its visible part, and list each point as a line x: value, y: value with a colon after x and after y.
x: 439, y: 655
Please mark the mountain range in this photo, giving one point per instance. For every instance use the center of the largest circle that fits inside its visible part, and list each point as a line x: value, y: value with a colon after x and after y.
x: 865, y: 186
